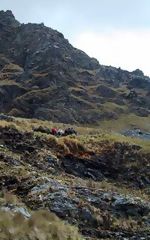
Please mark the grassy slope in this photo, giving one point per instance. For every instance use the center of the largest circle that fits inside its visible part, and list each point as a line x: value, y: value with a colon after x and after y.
x: 94, y: 139
x: 104, y: 131
x: 127, y: 122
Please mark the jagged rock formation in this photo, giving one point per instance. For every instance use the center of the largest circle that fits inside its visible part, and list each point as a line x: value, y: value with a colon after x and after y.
x: 43, y: 76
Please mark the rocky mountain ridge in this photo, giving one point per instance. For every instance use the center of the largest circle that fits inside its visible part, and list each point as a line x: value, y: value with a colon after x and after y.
x: 43, y: 76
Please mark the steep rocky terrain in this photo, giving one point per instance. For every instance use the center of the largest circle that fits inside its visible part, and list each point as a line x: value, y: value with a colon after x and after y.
x: 43, y: 76
x: 97, y: 183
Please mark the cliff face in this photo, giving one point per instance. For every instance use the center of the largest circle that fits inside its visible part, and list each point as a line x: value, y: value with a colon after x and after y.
x: 43, y: 76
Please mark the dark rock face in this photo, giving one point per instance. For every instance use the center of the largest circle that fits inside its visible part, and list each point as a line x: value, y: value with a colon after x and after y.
x: 8, y: 29
x: 43, y: 76
x: 112, y: 164
x: 7, y: 18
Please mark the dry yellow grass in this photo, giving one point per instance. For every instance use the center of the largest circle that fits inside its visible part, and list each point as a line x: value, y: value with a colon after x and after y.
x: 114, y: 137
x: 110, y: 106
x: 126, y: 122
x: 97, y: 133
x: 42, y: 225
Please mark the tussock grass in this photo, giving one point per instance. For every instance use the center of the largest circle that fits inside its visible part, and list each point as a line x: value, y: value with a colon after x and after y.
x: 41, y: 226
x: 86, y: 133
x: 73, y: 145
x: 112, y: 137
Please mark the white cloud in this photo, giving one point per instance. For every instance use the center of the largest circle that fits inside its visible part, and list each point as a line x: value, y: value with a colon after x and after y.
x: 126, y: 49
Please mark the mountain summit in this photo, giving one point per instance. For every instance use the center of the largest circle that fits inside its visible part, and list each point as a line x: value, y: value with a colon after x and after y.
x: 43, y: 76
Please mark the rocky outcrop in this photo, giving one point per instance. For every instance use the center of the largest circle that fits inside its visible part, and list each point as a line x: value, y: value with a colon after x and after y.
x: 43, y: 76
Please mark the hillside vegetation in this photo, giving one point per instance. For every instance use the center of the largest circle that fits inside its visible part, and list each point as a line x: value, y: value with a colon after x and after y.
x: 96, y: 181
x: 92, y: 185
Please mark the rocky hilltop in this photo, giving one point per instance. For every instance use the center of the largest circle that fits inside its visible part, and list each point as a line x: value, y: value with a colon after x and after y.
x: 43, y: 76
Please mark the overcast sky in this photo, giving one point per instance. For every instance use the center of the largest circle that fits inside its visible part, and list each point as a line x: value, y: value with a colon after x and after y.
x: 116, y: 32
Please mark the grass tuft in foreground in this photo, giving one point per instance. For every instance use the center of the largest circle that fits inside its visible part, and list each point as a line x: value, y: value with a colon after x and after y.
x: 41, y: 226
